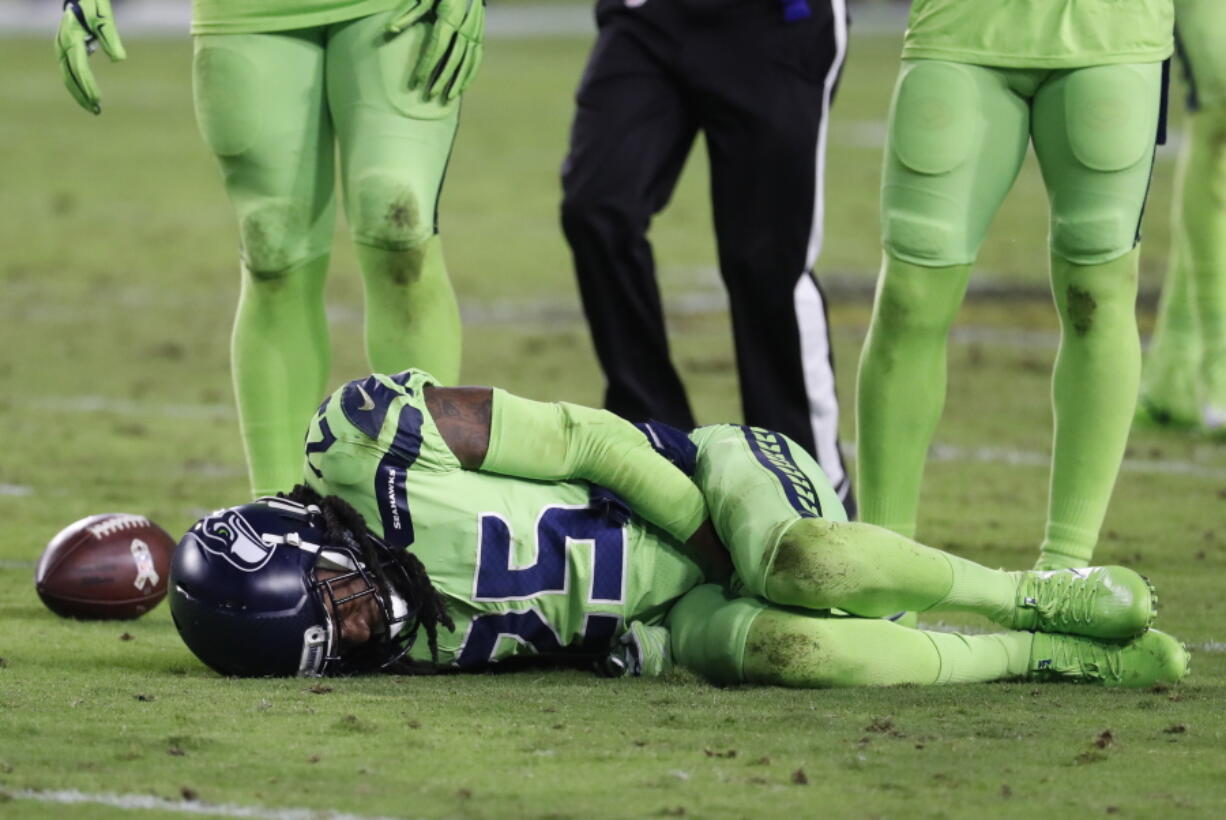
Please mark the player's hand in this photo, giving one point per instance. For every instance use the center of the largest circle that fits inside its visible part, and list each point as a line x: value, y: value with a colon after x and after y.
x: 712, y: 557
x: 452, y: 52
x: 85, y: 24
x: 643, y: 651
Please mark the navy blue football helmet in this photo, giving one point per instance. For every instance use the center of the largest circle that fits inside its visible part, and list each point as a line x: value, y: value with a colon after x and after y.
x: 246, y: 600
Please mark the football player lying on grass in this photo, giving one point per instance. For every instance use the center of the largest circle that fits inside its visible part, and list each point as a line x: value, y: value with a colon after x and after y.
x: 501, y: 526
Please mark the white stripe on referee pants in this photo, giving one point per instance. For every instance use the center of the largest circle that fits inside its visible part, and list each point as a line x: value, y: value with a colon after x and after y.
x: 819, y: 380
x: 810, y: 311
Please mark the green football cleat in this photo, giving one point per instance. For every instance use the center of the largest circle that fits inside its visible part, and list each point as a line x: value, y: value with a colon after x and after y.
x: 1149, y: 660
x: 1113, y: 603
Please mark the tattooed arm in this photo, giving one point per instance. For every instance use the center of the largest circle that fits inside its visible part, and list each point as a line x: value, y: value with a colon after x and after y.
x: 497, y: 432
x: 653, y: 486
x: 462, y: 415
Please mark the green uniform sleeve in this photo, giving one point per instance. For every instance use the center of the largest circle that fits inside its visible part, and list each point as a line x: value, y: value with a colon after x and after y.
x: 560, y: 441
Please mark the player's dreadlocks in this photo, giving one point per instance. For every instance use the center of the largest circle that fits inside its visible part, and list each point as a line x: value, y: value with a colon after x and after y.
x: 345, y: 525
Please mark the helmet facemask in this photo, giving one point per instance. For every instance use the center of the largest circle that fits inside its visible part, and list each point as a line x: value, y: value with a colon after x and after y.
x: 352, y: 577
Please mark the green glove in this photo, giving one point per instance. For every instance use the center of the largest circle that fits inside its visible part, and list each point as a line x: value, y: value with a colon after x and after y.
x: 84, y: 24
x: 452, y: 54
x: 643, y: 651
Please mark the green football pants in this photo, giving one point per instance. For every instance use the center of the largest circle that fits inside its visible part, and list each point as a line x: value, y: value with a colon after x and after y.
x: 958, y: 134
x: 275, y: 108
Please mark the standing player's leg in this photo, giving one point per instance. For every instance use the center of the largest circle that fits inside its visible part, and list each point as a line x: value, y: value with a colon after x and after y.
x: 957, y: 137
x: 1094, y: 131
x: 1202, y: 222
x: 1169, y: 382
x: 631, y: 133
x: 791, y: 544
x: 1203, y: 234
x: 260, y: 106
x: 764, y: 104
x: 744, y: 640
x: 394, y: 149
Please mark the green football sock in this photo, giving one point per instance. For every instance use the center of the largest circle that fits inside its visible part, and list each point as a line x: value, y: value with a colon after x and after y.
x: 873, y: 572
x: 1094, y: 389
x: 1204, y: 230
x: 901, y: 387
x: 412, y: 319
x: 793, y: 649
x: 981, y: 658
x: 280, y: 358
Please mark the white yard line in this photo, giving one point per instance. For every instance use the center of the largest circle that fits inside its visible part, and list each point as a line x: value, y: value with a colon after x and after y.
x: 149, y: 802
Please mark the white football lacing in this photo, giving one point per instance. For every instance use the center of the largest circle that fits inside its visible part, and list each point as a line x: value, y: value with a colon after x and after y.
x: 117, y: 523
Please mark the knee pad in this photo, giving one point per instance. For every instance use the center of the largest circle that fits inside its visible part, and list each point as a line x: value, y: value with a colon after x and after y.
x: 1094, y: 236
x: 919, y: 238
x: 807, y: 561
x: 931, y: 133
x: 386, y: 211
x: 275, y: 235
x: 1097, y: 233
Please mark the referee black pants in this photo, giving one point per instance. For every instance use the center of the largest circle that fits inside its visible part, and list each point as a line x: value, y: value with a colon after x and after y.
x: 760, y: 90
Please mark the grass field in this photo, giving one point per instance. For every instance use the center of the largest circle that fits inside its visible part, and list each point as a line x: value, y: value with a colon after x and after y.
x: 117, y: 264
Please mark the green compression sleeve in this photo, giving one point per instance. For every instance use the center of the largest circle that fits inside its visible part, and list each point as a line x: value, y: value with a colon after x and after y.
x: 279, y: 358
x: 1094, y: 384
x: 560, y: 441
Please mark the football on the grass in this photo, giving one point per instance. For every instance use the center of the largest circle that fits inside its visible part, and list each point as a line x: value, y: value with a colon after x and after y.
x: 109, y: 566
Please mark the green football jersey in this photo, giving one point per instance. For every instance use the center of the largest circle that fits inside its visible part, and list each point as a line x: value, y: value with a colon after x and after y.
x: 255, y: 16
x: 526, y: 567
x: 1040, y: 33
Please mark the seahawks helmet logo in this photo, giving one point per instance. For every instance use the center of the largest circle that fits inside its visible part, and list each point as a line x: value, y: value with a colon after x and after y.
x: 230, y: 535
